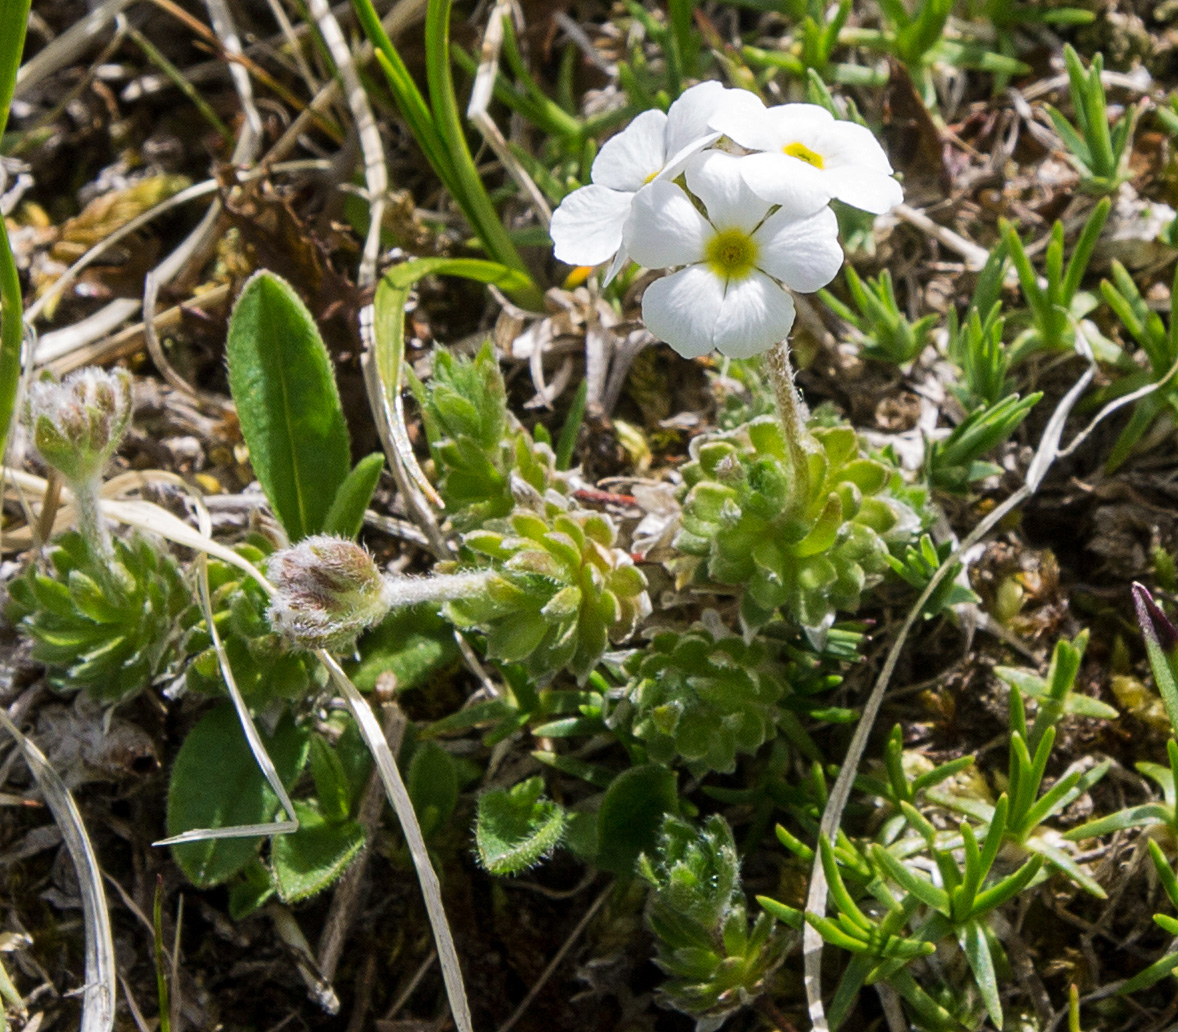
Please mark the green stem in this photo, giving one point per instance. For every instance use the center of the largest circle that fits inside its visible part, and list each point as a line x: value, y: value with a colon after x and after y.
x: 14, y: 19
x: 91, y: 525
x: 791, y: 414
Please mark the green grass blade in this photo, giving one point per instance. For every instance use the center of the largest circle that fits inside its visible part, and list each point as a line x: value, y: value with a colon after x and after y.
x: 467, y: 187
x: 14, y: 19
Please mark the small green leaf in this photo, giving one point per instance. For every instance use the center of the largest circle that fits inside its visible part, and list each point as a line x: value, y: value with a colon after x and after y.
x: 250, y: 889
x: 281, y: 379
x: 309, y: 860
x: 331, y: 781
x: 409, y: 645
x: 346, y: 515
x: 631, y: 815
x: 216, y: 783
x: 516, y: 828
x: 433, y: 786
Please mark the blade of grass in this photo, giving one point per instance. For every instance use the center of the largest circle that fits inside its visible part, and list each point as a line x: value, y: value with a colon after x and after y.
x: 471, y: 193
x: 14, y: 20
x: 161, y: 976
x: 177, y: 79
x: 572, y: 426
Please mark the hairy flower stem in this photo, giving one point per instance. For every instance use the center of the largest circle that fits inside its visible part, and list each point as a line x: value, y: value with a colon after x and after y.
x: 91, y: 525
x: 411, y: 591
x: 791, y: 413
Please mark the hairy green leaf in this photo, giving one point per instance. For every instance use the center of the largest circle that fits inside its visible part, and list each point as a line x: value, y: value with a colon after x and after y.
x: 217, y: 784
x: 281, y: 379
x: 516, y: 828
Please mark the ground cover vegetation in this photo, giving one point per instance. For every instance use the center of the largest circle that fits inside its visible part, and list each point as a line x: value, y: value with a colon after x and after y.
x: 641, y: 516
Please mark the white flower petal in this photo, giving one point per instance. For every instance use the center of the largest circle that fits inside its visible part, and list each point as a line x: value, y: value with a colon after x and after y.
x: 803, y: 253
x: 799, y: 121
x: 755, y: 315
x: 715, y: 178
x: 741, y: 117
x: 664, y: 228
x: 682, y: 309
x: 616, y: 266
x: 848, y: 143
x: 800, y: 188
x: 865, y: 189
x: 687, y: 118
x: 587, y: 227
x: 678, y: 159
x: 629, y: 160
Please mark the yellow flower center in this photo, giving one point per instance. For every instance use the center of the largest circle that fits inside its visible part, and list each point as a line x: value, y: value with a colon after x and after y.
x: 652, y: 177
x: 732, y: 254
x: 803, y: 153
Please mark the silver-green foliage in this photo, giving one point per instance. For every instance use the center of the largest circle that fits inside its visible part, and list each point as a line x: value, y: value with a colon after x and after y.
x: 559, y: 590
x: 701, y: 699
x: 806, y: 533
x: 105, y: 624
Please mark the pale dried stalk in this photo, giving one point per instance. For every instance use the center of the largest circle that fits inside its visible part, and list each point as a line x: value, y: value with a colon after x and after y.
x: 480, y: 101
x: 98, y: 995
x: 398, y: 796
x: 376, y: 173
x: 812, y: 942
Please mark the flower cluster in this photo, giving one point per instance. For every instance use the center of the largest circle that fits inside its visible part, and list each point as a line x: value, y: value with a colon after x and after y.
x: 732, y: 196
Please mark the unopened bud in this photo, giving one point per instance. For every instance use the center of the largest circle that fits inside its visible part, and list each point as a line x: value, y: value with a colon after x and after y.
x: 78, y: 423
x: 327, y: 590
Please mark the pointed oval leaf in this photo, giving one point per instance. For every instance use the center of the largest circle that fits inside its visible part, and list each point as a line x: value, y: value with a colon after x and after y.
x: 217, y: 784
x: 281, y: 379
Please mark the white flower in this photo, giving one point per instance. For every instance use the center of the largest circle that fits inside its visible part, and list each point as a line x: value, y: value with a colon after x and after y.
x: 807, y: 156
x: 587, y: 227
x: 738, y: 261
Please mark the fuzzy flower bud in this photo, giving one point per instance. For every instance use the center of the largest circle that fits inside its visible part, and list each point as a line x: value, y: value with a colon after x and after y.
x: 328, y: 590
x: 77, y: 423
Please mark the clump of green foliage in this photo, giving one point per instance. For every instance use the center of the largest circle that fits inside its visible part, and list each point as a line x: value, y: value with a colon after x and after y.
x: 805, y: 534
x: 482, y: 455
x: 715, y: 962
x: 110, y: 628
x: 701, y: 699
x: 559, y: 592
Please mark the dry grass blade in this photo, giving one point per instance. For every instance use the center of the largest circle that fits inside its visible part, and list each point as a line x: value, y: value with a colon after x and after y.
x: 261, y: 756
x: 812, y: 943
x: 69, y: 46
x: 398, y: 796
x: 98, y: 995
x: 376, y: 173
x: 480, y: 101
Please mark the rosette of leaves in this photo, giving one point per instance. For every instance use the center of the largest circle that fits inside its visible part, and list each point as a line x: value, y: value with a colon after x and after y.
x: 806, y: 534
x: 478, y: 447
x: 560, y: 591
x: 108, y: 627
x: 264, y: 666
x: 700, y: 698
x: 696, y: 910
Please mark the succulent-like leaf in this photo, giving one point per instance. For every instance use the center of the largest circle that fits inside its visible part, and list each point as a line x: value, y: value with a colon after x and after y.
x: 807, y: 541
x: 107, y: 630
